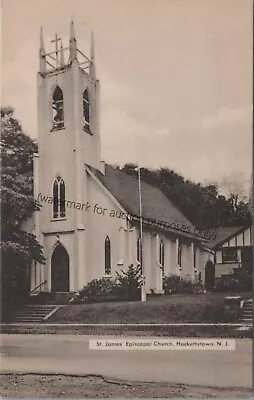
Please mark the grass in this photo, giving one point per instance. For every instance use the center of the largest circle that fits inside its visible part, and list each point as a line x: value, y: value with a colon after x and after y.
x: 207, y: 307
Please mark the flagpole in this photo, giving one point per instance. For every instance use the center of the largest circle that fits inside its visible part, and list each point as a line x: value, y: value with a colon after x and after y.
x: 143, y: 290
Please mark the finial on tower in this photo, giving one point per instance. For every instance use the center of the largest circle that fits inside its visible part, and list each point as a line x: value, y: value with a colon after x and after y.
x: 72, y: 31
x: 92, y: 59
x: 42, y: 53
x: 73, y: 44
x: 42, y: 48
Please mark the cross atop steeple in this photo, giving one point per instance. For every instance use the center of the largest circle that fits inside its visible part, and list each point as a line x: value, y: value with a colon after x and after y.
x: 56, y: 40
x: 57, y: 59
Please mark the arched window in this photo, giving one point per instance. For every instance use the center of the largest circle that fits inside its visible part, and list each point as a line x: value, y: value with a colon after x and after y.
x: 86, y: 111
x: 58, y: 108
x: 162, y: 253
x: 107, y: 256
x: 59, y: 198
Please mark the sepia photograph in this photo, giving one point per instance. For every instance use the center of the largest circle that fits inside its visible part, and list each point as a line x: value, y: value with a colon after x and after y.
x: 126, y: 199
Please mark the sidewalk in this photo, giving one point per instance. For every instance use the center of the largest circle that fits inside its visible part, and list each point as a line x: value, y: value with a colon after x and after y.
x: 70, y: 354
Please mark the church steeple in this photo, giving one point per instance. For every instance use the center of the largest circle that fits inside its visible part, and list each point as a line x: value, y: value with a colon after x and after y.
x: 92, y: 70
x: 42, y: 53
x: 73, y: 43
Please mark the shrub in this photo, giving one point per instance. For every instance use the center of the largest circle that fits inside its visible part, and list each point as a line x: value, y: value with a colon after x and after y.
x: 171, y: 284
x: 197, y: 287
x: 128, y: 284
x: 96, y: 291
x: 237, y: 282
x: 174, y: 284
x: 185, y: 286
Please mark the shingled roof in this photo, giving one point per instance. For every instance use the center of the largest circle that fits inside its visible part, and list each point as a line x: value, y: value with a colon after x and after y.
x: 155, y: 205
x: 224, y: 234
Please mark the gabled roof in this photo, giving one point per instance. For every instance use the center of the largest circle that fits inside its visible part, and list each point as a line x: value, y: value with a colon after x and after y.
x: 224, y: 234
x: 155, y: 205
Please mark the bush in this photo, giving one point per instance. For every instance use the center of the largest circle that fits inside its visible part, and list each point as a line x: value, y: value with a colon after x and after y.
x: 171, y: 284
x: 97, y: 290
x: 197, y: 287
x: 185, y: 286
x: 174, y: 284
x: 237, y: 282
x: 126, y: 286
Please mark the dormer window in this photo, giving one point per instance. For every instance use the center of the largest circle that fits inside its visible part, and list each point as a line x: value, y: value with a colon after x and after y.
x: 86, y: 111
x: 58, y: 109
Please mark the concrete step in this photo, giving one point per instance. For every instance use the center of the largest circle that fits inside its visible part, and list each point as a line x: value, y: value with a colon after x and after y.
x: 247, y: 311
x: 28, y: 313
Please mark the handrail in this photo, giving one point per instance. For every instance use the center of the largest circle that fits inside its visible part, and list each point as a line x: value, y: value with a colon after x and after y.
x: 31, y: 291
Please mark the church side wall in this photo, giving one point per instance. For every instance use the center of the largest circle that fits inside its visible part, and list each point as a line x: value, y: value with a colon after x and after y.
x: 100, y: 224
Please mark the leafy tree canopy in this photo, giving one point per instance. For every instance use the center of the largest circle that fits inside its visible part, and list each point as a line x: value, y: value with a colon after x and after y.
x: 202, y: 204
x: 19, y: 248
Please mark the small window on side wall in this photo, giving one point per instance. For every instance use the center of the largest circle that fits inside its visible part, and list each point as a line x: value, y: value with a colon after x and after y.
x: 139, y: 250
x: 107, y: 248
x: 194, y: 256
x: 58, y: 109
x: 179, y: 254
x: 162, y: 253
x: 86, y: 111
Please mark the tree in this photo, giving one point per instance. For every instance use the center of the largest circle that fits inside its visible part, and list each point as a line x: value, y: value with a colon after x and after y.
x: 19, y: 248
x: 234, y: 189
x: 237, y: 198
x: 203, y: 205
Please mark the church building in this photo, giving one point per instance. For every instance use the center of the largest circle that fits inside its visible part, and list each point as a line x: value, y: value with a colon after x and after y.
x: 93, y: 215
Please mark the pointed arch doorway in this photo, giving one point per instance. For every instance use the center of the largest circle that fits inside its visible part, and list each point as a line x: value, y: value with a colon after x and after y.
x: 60, y: 274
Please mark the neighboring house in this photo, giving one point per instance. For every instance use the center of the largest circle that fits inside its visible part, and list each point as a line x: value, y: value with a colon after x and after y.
x: 233, y: 250
x: 89, y: 222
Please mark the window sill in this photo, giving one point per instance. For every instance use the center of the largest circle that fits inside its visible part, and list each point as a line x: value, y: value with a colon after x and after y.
x: 57, y: 129
x: 229, y: 262
x: 59, y: 219
x: 87, y: 130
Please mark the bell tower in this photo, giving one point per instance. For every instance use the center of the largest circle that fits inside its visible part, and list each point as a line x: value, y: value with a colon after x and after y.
x: 68, y: 101
x: 68, y: 139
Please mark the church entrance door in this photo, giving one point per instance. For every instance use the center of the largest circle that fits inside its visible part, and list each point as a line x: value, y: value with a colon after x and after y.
x: 60, y: 270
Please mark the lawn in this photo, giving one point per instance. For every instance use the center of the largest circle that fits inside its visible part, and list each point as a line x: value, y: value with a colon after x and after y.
x: 207, y: 307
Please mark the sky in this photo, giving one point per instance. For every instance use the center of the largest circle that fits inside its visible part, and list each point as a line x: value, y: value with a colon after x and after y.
x: 176, y: 77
